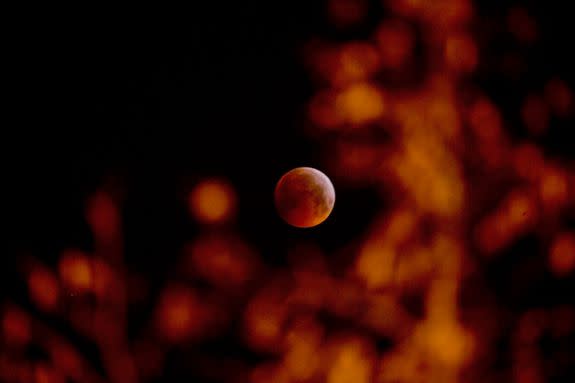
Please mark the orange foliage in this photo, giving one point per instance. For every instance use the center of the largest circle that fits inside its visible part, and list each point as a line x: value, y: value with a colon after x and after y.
x: 461, y: 53
x: 75, y: 269
x: 553, y: 188
x: 349, y: 360
x: 16, y: 329
x: 44, y: 373
x: 222, y: 260
x: 395, y: 41
x: 360, y: 103
x: 528, y: 161
x: 180, y: 314
x: 43, y: 288
x: 357, y: 61
x: 562, y: 254
x: 323, y: 111
x: 103, y: 217
x: 212, y: 201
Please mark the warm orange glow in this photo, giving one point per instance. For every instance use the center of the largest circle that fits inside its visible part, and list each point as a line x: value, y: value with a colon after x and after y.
x: 375, y: 264
x: 360, y: 103
x: 562, y: 254
x: 264, y: 318
x: 302, y: 359
x: 559, y: 97
x: 44, y: 373
x: 212, y: 201
x: 448, y: 261
x: 15, y: 327
x: 104, y: 278
x: 270, y: 373
x: 75, y: 269
x: 179, y: 314
x: 485, y: 121
x: 554, y: 188
x: 443, y: 116
x: 395, y: 41
x: 323, y: 111
x: 67, y: 360
x: 103, y: 217
x: 522, y: 25
x: 350, y: 361
x: 430, y: 174
x: 43, y: 288
x: 446, y: 342
x: 520, y: 209
x: 222, y: 260
x: 492, y: 233
x: 461, y: 53
x: 515, y: 215
x: 528, y: 161
x: 535, y: 114
x: 400, y: 225
x: 358, y: 61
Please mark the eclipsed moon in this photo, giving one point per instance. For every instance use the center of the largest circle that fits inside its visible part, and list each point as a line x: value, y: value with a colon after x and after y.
x: 304, y: 197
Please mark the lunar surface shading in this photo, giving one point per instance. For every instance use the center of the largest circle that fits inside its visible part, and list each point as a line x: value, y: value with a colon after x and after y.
x: 304, y: 197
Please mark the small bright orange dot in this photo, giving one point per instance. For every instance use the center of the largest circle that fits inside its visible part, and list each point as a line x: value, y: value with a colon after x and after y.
x: 75, y: 270
x: 520, y: 210
x: 16, y: 327
x: 461, y: 53
x: 535, y: 114
x: 43, y: 288
x: 212, y: 201
x: 562, y: 254
x: 554, y: 188
x: 361, y: 103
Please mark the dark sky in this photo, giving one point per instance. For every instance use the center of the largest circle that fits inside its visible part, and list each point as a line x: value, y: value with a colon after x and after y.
x: 158, y: 97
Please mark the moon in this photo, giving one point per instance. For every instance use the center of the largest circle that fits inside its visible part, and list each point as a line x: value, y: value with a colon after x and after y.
x: 304, y: 197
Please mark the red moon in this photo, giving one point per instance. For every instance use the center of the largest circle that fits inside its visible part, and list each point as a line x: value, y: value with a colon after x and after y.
x: 304, y: 197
